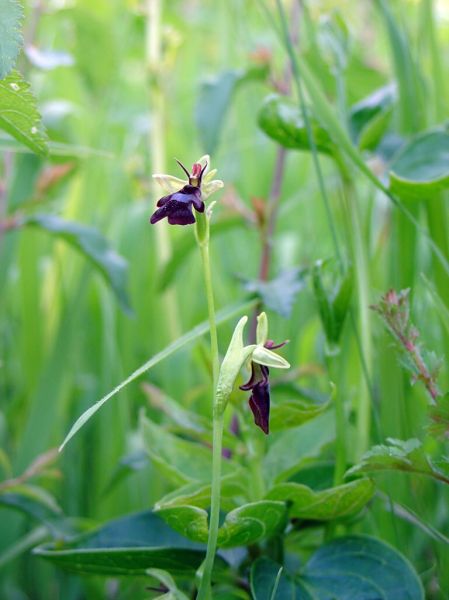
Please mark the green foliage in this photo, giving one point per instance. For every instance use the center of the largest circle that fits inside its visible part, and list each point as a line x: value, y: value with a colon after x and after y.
x: 421, y: 169
x: 92, y: 245
x: 293, y: 413
x: 369, y: 118
x: 127, y: 546
x: 326, y: 505
x: 281, y: 119
x: 11, y: 15
x: 348, y: 567
x: 279, y: 294
x: 19, y: 115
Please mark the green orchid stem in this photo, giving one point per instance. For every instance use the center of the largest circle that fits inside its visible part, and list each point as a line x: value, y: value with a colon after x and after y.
x: 333, y: 367
x: 202, y: 236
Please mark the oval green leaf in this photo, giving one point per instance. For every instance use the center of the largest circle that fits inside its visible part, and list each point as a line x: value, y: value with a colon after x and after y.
x: 252, y: 523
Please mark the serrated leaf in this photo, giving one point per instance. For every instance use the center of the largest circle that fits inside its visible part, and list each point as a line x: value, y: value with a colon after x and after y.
x: 19, y: 115
x: 399, y: 455
x: 214, y: 98
x: 326, y: 505
x: 292, y: 413
x: 355, y: 566
x: 282, y: 120
x: 422, y: 167
x: 11, y: 15
x: 128, y: 546
x: 93, y: 245
x: 279, y: 294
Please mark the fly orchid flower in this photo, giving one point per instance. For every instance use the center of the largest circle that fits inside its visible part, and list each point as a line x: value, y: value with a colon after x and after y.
x: 183, y: 194
x: 259, y: 358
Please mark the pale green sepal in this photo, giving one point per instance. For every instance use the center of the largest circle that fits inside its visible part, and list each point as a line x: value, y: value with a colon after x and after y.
x: 266, y: 357
x: 262, y: 329
x: 235, y: 358
x: 208, y: 188
x: 169, y: 183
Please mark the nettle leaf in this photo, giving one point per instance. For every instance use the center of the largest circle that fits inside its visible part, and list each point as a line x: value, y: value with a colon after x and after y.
x: 334, y: 303
x: 355, y: 566
x: 399, y: 455
x: 292, y: 413
x: 291, y: 449
x: 369, y: 118
x: 214, y: 99
x: 19, y: 115
x: 93, y: 245
x: 326, y: 505
x: 422, y: 167
x: 128, y: 546
x: 11, y: 15
x: 282, y: 120
x: 280, y: 293
x: 181, y: 461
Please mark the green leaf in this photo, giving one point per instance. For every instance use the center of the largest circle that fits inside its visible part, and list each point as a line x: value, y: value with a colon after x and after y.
x: 439, y: 415
x: 252, y: 523
x: 190, y: 336
x: 355, y: 566
x: 39, y: 505
x: 326, y: 505
x: 180, y: 460
x: 19, y: 115
x: 369, y: 118
x: 293, y: 413
x: 280, y: 293
x: 333, y: 304
x: 214, y: 98
x: 11, y: 15
x: 128, y: 546
x: 293, y: 448
x: 282, y: 120
x: 422, y: 167
x: 189, y: 521
x: 93, y: 246
x: 399, y: 455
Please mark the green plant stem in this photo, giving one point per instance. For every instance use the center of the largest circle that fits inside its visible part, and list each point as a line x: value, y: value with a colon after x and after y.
x: 333, y: 367
x: 202, y: 235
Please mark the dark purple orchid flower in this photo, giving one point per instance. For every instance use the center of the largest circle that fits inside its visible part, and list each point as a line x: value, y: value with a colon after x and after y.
x: 259, y: 401
x: 177, y: 207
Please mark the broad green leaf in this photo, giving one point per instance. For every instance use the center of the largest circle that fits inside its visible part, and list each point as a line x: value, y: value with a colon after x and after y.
x: 180, y: 460
x: 319, y: 475
x: 252, y: 523
x: 214, y: 99
x: 93, y: 246
x: 326, y: 505
x: 399, y: 455
x: 369, y: 118
x: 282, y: 120
x: 190, y: 336
x: 293, y: 413
x: 293, y: 448
x: 270, y: 581
x: 280, y: 293
x: 422, y: 167
x: 19, y: 115
x: 128, y: 546
x: 189, y: 521
x: 346, y: 568
x: 11, y: 15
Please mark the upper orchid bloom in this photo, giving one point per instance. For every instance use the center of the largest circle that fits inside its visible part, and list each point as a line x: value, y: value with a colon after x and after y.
x: 177, y: 205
